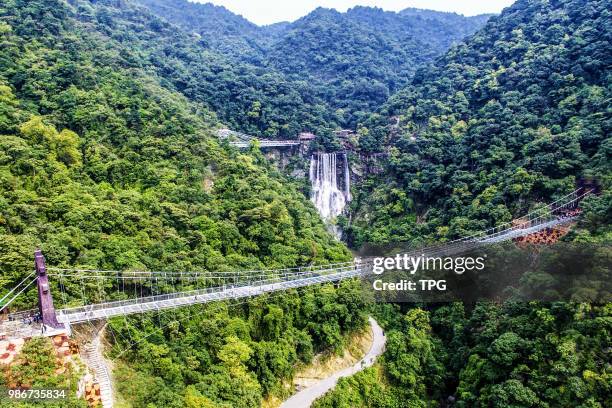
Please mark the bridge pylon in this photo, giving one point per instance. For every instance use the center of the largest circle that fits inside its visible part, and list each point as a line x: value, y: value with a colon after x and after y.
x: 45, y: 300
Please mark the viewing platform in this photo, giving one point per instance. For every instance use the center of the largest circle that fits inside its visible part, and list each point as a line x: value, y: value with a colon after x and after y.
x: 242, y: 140
x: 267, y: 143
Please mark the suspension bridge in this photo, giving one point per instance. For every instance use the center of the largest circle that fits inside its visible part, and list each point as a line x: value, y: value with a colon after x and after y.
x: 104, y: 293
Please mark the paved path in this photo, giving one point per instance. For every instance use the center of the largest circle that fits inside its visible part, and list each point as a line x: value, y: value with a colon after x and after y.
x: 306, y: 397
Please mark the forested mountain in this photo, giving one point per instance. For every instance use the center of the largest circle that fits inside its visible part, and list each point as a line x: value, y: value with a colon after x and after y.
x: 91, y: 135
x: 368, y: 42
x: 244, y: 97
x: 518, y: 113
x: 353, y: 61
x: 364, y: 55
x: 219, y: 28
x: 109, y: 160
x: 459, y: 23
x: 103, y: 164
x: 515, y: 116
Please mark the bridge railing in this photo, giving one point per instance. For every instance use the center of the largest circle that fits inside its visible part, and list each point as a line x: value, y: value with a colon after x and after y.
x: 267, y: 143
x: 196, y: 293
x: 288, y: 277
x: 536, y: 217
x: 157, y: 282
x: 535, y: 220
x: 244, y: 140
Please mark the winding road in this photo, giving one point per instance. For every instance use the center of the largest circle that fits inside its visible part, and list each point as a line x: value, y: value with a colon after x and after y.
x: 306, y: 397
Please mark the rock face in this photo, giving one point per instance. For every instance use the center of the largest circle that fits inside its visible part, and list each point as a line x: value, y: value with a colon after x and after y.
x: 9, y: 349
x: 280, y: 157
x: 367, y: 164
x: 93, y: 395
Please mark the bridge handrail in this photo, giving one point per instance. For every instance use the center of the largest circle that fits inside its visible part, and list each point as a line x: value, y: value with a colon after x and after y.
x: 540, y: 220
x: 461, y: 246
x: 284, y: 141
x: 243, y: 138
x: 530, y: 217
x: 204, y: 273
x: 277, y: 279
x: 147, y: 299
x: 267, y: 143
x: 23, y: 314
x: 222, y: 293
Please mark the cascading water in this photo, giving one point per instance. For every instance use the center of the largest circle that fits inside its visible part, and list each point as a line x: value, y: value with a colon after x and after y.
x: 329, y: 199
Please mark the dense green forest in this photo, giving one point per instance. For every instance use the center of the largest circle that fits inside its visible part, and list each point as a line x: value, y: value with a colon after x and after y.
x: 232, y: 356
x: 364, y: 55
x: 518, y: 114
x: 348, y: 63
x: 104, y: 165
x: 109, y: 159
x: 487, y: 355
x: 244, y: 96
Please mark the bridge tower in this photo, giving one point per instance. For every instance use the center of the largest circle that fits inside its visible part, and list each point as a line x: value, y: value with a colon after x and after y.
x: 45, y: 300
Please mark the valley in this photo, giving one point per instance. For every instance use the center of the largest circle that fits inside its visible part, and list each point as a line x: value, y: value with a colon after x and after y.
x: 203, y: 187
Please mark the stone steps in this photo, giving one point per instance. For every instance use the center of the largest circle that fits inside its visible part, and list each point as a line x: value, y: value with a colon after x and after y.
x: 95, y: 361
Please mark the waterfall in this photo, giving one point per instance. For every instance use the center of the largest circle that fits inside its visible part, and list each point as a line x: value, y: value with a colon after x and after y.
x: 329, y: 199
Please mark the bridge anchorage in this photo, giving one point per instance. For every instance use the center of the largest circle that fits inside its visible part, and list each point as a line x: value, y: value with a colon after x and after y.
x: 105, y: 293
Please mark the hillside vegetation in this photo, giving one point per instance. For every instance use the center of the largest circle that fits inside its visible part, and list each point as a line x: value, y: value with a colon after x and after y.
x: 109, y: 160
x: 104, y: 165
x: 487, y: 355
x: 349, y: 63
x: 518, y: 114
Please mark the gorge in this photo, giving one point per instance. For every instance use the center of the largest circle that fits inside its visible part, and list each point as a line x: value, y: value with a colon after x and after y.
x: 111, y: 162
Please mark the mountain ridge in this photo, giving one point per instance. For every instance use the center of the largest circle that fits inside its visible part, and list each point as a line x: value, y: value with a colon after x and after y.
x: 353, y: 61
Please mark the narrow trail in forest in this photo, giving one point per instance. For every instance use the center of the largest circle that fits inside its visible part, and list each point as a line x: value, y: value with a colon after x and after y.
x: 306, y: 397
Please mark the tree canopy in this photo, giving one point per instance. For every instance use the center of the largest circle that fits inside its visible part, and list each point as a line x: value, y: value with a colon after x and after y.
x: 516, y: 115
